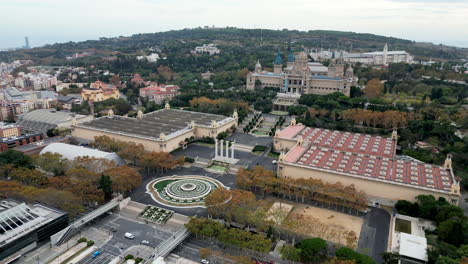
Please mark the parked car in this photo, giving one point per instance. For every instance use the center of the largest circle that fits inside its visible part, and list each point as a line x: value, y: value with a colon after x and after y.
x: 274, y: 161
x: 129, y: 235
x: 145, y: 242
x: 96, y: 253
x: 204, y: 261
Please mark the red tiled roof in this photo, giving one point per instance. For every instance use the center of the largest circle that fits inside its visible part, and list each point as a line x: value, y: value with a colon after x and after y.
x: 374, y: 167
x: 345, y: 141
x: 161, y: 89
x: 363, y: 156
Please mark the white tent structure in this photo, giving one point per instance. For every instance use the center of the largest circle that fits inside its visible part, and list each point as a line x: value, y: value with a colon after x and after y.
x: 71, y: 152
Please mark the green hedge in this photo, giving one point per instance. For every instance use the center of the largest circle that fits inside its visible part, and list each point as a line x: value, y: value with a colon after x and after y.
x: 259, y: 148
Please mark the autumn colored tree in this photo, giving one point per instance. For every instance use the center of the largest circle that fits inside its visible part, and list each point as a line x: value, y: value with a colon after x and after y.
x: 30, y: 177
x: 158, y: 161
x: 97, y: 165
x: 374, y: 88
x: 82, y: 174
x: 52, y: 163
x: 124, y: 179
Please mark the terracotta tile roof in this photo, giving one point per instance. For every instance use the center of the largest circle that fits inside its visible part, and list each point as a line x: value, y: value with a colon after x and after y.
x: 363, y: 156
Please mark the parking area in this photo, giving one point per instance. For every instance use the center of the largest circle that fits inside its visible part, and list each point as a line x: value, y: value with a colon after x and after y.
x: 120, y: 246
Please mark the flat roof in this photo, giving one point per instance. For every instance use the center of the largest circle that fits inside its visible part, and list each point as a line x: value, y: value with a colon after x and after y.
x: 340, y: 140
x: 413, y: 246
x: 18, y: 219
x: 167, y: 121
x: 361, y: 155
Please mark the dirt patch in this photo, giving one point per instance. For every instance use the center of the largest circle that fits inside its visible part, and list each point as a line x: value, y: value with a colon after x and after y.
x: 330, y: 225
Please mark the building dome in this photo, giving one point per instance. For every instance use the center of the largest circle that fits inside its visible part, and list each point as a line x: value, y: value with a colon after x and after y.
x: 71, y: 152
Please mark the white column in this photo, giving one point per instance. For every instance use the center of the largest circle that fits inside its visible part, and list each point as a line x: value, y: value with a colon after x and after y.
x: 222, y: 143
x: 232, y: 150
x: 227, y: 149
x: 216, y: 148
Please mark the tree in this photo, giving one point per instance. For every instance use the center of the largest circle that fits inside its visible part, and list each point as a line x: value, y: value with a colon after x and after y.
x: 29, y: 177
x: 16, y: 158
x: 452, y: 231
x: 83, y: 174
x: 446, y: 260
x: 124, y: 179
x: 312, y: 249
x: 105, y: 184
x: 50, y: 162
x: 407, y: 208
x: 390, y: 258
x: 290, y: 252
x: 373, y: 88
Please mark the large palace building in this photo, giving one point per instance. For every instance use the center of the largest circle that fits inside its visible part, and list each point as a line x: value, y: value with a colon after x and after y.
x: 163, y: 130
x: 302, y: 77
x: 369, y: 162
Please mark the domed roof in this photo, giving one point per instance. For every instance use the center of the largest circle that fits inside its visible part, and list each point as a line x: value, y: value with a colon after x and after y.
x: 71, y: 152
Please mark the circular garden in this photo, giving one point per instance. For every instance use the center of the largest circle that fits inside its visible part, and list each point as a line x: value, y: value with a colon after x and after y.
x: 183, y: 191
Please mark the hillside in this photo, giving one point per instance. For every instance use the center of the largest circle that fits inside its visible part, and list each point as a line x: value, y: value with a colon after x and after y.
x: 245, y: 39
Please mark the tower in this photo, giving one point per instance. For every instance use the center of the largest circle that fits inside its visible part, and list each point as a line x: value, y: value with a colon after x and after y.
x: 278, y: 64
x: 349, y: 72
x: 258, y: 67
x: 384, y: 55
x: 26, y: 43
x: 291, y: 58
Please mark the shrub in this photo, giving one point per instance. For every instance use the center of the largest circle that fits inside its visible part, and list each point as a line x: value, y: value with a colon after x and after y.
x: 259, y: 148
x: 129, y: 256
x: 81, y: 240
x: 189, y: 159
x: 90, y: 243
x: 138, y: 260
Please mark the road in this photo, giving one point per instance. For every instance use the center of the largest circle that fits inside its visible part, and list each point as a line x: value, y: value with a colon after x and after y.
x: 373, y: 239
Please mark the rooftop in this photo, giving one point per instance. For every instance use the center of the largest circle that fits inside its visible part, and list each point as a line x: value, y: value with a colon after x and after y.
x: 413, y: 246
x: 17, y: 219
x: 71, y: 152
x: 167, y: 121
x: 361, y: 155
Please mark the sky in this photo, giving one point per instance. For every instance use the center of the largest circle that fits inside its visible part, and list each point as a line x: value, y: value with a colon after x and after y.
x: 51, y: 21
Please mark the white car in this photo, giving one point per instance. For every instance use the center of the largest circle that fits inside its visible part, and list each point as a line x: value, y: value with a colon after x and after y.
x: 145, y: 242
x: 274, y: 161
x: 204, y: 261
x: 129, y: 235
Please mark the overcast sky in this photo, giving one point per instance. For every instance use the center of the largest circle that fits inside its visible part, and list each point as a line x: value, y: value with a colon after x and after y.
x: 50, y: 21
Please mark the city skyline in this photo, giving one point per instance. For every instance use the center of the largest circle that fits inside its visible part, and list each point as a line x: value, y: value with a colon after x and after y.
x: 52, y: 21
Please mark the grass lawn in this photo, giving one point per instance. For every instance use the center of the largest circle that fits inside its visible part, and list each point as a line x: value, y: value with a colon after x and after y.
x: 403, y: 226
x: 204, y: 144
x: 217, y: 168
x: 272, y: 155
x: 260, y: 133
x: 162, y: 184
x: 279, y: 113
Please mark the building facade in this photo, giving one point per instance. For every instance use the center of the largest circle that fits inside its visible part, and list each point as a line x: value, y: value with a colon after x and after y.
x: 159, y: 93
x: 302, y: 77
x: 211, y: 49
x: 23, y: 226
x: 368, y: 162
x: 9, y: 130
x: 163, y: 130
x: 99, y: 91
x: 383, y: 57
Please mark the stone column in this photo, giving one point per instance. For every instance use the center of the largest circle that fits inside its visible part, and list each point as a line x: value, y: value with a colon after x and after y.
x: 232, y: 150
x: 227, y: 149
x: 216, y: 148
x: 222, y: 143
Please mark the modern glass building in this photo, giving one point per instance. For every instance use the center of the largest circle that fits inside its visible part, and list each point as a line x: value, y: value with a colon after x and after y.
x: 22, y: 226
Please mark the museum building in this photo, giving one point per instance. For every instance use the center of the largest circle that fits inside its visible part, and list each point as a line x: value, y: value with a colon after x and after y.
x: 162, y: 130
x: 367, y: 161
